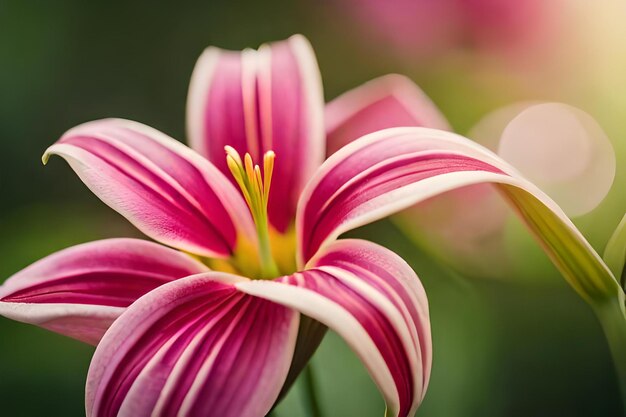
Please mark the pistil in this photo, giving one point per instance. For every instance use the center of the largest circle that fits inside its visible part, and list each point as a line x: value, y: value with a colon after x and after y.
x: 255, y: 188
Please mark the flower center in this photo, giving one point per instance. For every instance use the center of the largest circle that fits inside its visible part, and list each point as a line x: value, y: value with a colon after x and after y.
x: 255, y: 187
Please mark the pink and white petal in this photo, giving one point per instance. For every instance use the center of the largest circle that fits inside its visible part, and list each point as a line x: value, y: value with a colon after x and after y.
x: 196, y: 346
x: 389, y: 101
x: 391, y: 170
x: 255, y: 101
x: 374, y: 300
x: 165, y: 189
x: 463, y: 236
x: 81, y: 290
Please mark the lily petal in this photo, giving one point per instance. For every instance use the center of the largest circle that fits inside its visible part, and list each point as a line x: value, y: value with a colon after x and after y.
x: 464, y: 237
x: 193, y: 347
x: 81, y: 290
x: 374, y: 300
x: 391, y: 170
x: 255, y: 101
x: 165, y: 189
x: 389, y: 101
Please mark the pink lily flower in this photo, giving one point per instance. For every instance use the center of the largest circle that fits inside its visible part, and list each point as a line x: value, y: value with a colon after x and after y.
x: 223, y: 323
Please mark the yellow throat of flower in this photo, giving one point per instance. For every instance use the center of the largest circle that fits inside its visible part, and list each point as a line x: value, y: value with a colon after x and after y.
x: 255, y: 187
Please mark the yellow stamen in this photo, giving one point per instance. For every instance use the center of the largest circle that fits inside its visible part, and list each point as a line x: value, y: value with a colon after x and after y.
x: 230, y: 151
x: 268, y: 169
x: 259, y: 184
x: 255, y: 189
x: 249, y: 168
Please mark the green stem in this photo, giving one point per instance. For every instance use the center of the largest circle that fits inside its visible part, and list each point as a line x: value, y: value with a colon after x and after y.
x: 613, y: 320
x: 311, y: 399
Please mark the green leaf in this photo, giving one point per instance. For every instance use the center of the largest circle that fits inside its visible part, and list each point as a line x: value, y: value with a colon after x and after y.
x: 615, y: 251
x: 579, y: 264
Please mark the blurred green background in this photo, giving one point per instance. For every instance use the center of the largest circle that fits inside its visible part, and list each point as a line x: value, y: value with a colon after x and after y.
x: 501, y: 348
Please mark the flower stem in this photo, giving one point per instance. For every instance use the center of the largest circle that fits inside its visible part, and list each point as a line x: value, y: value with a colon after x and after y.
x: 613, y: 320
x: 311, y: 399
